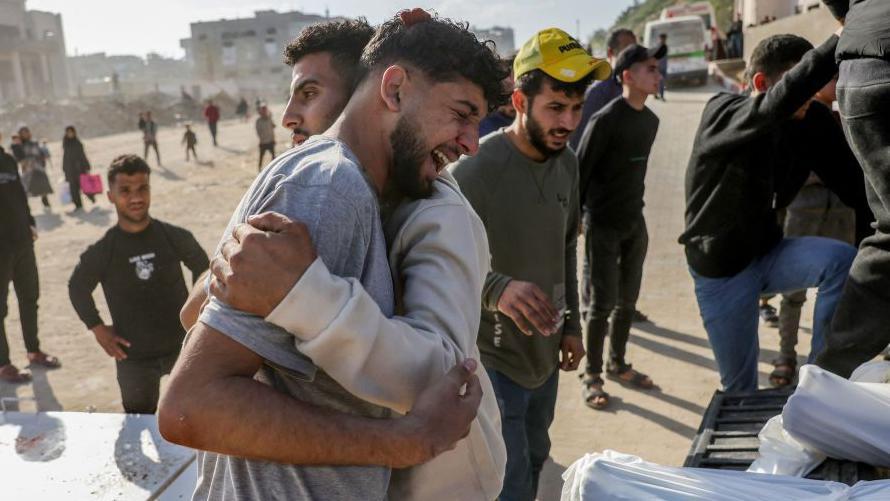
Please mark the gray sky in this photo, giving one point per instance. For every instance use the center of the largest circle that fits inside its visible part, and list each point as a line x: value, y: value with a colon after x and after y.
x: 135, y: 27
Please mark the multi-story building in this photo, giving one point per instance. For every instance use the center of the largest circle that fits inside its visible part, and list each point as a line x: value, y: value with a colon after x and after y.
x: 32, y: 54
x: 501, y: 36
x: 103, y: 75
x: 248, y: 52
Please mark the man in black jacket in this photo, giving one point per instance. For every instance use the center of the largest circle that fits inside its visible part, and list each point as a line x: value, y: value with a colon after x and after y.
x: 740, y: 165
x: 859, y: 331
x: 138, y: 264
x: 19, y: 266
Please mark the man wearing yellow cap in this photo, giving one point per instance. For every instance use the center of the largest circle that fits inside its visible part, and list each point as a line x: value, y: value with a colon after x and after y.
x: 523, y: 183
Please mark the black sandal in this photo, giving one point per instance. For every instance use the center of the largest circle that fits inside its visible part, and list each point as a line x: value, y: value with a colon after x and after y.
x: 637, y: 379
x: 591, y: 393
x: 784, y: 372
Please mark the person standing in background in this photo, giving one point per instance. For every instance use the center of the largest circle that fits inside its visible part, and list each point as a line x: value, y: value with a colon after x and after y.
x: 265, y: 130
x: 33, y: 163
x: 18, y: 265
x: 613, y: 158
x: 663, y: 66
x: 189, y: 139
x: 138, y: 264
x: 150, y: 136
x: 74, y: 163
x: 211, y: 114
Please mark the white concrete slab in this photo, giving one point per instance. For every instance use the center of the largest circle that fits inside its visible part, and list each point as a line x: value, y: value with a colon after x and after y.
x: 73, y: 455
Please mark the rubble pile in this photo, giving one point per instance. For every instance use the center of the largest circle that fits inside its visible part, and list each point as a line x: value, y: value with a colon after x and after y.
x: 108, y: 115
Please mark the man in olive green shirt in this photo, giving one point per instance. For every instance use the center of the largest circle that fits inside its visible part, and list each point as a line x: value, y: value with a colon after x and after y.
x: 523, y: 183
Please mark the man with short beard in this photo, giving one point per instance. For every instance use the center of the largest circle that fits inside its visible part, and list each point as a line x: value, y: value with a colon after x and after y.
x: 413, y: 105
x: 523, y: 183
x: 138, y: 264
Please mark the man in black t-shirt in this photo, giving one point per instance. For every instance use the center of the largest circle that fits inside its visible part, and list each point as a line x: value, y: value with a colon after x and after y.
x: 138, y: 264
x: 613, y: 156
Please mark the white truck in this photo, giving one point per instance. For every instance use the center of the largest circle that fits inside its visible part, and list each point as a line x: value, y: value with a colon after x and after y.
x: 687, y: 41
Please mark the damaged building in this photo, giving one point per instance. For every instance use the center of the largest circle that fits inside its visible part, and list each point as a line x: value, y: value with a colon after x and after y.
x: 246, y: 54
x: 32, y: 54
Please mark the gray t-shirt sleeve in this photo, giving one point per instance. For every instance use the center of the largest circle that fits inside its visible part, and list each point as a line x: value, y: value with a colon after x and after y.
x: 339, y: 216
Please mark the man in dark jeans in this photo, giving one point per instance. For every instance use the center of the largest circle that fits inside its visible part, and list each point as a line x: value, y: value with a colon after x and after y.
x: 859, y: 331
x: 738, y: 172
x: 138, y: 264
x: 613, y: 157
x: 19, y: 266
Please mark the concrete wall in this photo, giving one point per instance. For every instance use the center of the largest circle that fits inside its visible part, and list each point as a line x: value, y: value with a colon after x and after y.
x: 815, y: 25
x: 753, y: 11
x: 12, y: 13
x: 248, y: 51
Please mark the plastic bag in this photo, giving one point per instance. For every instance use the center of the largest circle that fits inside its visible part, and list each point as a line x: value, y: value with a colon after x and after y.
x: 615, y: 476
x: 64, y: 193
x: 872, y: 372
x: 782, y: 454
x: 840, y: 418
x: 612, y: 476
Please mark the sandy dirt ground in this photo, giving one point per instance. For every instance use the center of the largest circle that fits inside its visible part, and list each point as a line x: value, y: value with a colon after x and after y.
x: 673, y: 349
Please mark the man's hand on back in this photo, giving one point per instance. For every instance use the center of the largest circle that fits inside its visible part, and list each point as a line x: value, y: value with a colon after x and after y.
x: 261, y: 263
x: 528, y: 306
x: 441, y: 416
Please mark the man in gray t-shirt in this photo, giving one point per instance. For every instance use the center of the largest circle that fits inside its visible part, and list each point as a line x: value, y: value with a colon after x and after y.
x: 320, y: 183
x: 240, y: 387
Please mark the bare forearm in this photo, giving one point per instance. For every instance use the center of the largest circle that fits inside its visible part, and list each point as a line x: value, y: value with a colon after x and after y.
x: 214, y: 404
x: 242, y: 417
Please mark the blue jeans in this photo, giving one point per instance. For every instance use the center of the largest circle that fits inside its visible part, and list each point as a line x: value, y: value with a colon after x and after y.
x: 525, y: 416
x: 728, y: 306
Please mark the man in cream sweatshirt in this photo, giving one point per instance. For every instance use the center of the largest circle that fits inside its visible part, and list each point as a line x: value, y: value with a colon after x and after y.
x: 438, y: 254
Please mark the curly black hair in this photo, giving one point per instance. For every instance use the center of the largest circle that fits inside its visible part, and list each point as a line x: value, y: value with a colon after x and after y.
x: 443, y: 49
x: 344, y: 40
x: 127, y: 165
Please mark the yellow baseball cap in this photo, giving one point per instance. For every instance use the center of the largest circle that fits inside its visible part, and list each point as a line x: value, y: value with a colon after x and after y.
x: 559, y: 55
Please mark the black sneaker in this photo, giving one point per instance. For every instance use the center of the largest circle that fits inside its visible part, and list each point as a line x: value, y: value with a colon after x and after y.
x: 768, y: 315
x: 640, y: 317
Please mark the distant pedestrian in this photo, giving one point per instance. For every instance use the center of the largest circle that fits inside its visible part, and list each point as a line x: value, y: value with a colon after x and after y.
x: 265, y: 130
x: 18, y: 265
x: 142, y: 121
x: 613, y: 157
x: 242, y: 110
x: 150, y: 136
x: 74, y: 163
x: 663, y: 65
x: 211, y: 114
x: 189, y: 139
x: 138, y: 264
x: 33, y: 164
x: 44, y: 150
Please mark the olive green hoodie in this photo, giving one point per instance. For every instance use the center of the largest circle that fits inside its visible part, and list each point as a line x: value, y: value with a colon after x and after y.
x: 530, y: 212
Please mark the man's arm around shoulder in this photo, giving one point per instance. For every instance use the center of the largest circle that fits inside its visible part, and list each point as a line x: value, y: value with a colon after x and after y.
x: 213, y: 403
